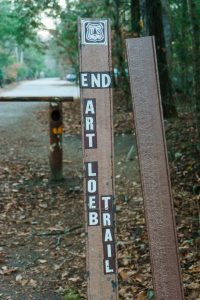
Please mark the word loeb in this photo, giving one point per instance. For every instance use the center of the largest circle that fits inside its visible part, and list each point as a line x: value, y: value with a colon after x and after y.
x: 94, y: 206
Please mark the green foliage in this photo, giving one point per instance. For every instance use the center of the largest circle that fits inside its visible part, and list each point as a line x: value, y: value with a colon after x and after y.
x: 181, y: 46
x: 7, y: 32
x: 34, y: 60
x: 71, y: 295
x: 51, y: 73
x: 21, y: 53
x: 23, y: 72
x: 20, y: 21
x: 66, y: 37
x: 29, y: 15
x: 11, y: 73
x: 129, y: 19
x: 8, y: 24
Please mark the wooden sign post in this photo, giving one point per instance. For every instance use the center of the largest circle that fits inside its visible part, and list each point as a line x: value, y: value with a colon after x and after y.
x: 154, y: 169
x: 96, y: 106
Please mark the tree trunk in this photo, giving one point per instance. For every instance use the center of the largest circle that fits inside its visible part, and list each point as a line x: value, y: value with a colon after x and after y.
x: 166, y: 27
x: 184, y: 52
x: 196, y: 58
x: 118, y: 40
x: 135, y: 17
x: 121, y: 81
x: 154, y: 26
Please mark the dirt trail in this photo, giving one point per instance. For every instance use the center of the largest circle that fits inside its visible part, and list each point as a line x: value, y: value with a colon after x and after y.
x: 42, y: 239
x: 42, y: 235
x: 45, y: 87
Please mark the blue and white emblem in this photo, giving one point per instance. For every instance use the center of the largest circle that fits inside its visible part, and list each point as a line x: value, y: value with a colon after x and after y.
x: 94, y: 32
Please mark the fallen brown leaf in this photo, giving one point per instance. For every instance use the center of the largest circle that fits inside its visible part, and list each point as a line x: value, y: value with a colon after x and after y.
x: 142, y: 296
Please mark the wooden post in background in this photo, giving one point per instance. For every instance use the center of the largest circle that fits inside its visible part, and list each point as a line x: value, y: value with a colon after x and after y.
x: 56, y: 131
x: 96, y: 106
x: 154, y: 169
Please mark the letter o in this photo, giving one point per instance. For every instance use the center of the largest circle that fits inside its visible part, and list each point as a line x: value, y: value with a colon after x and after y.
x: 92, y: 186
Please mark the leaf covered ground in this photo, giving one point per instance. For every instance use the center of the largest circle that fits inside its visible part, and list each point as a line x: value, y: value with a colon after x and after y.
x: 42, y: 235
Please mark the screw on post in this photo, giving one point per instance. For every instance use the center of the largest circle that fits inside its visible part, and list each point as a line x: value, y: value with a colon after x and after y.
x: 56, y: 131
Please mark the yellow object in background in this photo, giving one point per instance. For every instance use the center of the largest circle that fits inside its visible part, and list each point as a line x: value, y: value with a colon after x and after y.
x: 58, y: 130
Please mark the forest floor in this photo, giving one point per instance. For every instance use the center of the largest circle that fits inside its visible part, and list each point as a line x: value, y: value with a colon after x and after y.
x: 42, y: 235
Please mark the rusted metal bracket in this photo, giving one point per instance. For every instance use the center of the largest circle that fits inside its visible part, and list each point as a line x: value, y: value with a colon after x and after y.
x: 154, y: 169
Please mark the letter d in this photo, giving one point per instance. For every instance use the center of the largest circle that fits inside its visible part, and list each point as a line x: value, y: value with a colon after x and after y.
x: 106, y: 80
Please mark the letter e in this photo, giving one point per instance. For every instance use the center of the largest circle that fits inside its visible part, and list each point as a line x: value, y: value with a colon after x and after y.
x: 84, y: 82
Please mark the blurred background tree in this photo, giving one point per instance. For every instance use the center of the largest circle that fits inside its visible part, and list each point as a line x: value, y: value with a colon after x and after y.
x: 22, y: 52
x: 175, y: 25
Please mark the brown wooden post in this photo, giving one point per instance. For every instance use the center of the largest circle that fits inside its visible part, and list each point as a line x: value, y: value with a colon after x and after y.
x: 56, y: 130
x: 154, y: 169
x: 96, y: 106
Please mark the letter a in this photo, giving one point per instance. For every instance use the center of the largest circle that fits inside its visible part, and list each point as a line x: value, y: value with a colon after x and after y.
x: 108, y: 235
x: 89, y: 108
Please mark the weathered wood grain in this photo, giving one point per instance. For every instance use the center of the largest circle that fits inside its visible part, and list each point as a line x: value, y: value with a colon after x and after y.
x: 154, y: 170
